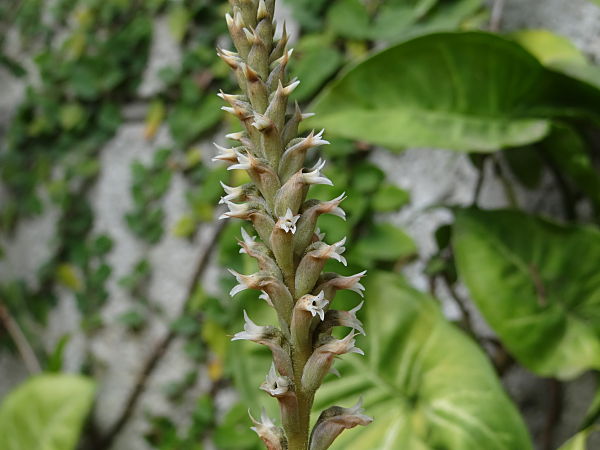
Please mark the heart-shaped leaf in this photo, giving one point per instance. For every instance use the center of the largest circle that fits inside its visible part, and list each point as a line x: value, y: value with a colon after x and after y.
x: 537, y: 284
x: 462, y: 91
x: 426, y: 384
x: 45, y: 413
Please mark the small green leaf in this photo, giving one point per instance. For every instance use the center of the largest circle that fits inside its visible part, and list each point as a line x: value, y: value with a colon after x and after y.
x: 185, y: 226
x: 384, y: 242
x: 349, y: 19
x: 390, y: 198
x: 179, y: 18
x: 46, y: 412
x: 537, y: 284
x: 578, y: 442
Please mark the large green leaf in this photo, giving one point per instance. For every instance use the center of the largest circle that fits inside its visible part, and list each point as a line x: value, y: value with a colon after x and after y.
x: 426, y: 384
x: 45, y: 413
x: 537, y: 283
x: 463, y: 91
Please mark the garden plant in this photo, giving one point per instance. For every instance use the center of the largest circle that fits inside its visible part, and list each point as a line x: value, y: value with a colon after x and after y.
x: 418, y: 260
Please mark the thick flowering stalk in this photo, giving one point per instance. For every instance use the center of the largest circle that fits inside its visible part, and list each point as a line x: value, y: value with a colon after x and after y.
x: 289, y: 249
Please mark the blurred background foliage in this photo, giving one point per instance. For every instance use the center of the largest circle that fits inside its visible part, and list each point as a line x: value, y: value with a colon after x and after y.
x: 390, y: 73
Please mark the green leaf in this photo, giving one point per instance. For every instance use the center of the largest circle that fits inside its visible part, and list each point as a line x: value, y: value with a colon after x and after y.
x: 538, y: 286
x: 383, y: 242
x: 46, y: 412
x: 314, y: 66
x: 426, y: 384
x: 548, y: 47
x: 179, y: 18
x: 390, y: 198
x: 558, y: 53
x: 570, y: 153
x: 349, y: 19
x: 462, y: 91
x: 578, y: 442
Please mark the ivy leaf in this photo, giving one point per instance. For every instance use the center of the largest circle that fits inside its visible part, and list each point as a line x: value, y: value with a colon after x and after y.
x: 424, y: 381
x: 537, y: 284
x: 469, y: 91
x: 46, y: 412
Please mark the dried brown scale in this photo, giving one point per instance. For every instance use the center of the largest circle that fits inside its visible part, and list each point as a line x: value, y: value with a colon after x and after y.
x: 291, y: 252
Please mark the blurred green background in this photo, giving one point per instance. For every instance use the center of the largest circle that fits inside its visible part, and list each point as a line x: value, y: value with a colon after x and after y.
x: 455, y: 125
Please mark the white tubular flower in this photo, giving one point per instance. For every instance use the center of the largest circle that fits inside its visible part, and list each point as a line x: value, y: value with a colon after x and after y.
x: 333, y: 251
x: 233, y: 193
x: 225, y: 154
x: 288, y: 222
x: 248, y: 241
x: 333, y: 421
x: 319, y: 363
x: 275, y: 385
x: 245, y: 282
x: 320, y: 235
x: 341, y: 346
x: 315, y: 177
x: 314, y: 304
x: 244, y: 162
x: 239, y: 136
x: 332, y: 207
x: 236, y: 211
x: 335, y: 318
x: 352, y: 283
x: 271, y: 435
x: 252, y: 332
x: 264, y: 296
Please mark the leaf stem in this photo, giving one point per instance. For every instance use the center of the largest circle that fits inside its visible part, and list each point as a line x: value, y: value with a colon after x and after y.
x: 23, y: 347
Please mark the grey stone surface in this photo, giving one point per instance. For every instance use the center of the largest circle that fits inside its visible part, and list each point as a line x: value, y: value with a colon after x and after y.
x: 432, y: 176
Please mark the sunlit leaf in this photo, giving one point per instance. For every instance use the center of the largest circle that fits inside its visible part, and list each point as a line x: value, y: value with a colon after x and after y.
x: 537, y: 284
x: 45, y: 413
x: 426, y: 384
x: 462, y: 91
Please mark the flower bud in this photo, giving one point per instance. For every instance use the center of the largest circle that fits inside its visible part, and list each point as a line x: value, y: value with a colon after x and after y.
x: 257, y: 90
x: 278, y: 104
x: 282, y: 389
x: 271, y: 338
x: 235, y: 25
x: 261, y: 253
x: 333, y: 421
x: 270, y: 139
x: 260, y: 172
x: 306, y: 308
x: 277, y: 74
x: 332, y: 282
x: 273, y: 436
x: 248, y: 10
x: 282, y: 242
x: 280, y: 46
x: 279, y: 294
x: 294, y: 155
x: 334, y: 318
x: 308, y: 220
x: 292, y: 193
x: 312, y: 264
x: 320, y: 361
x: 258, y: 57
